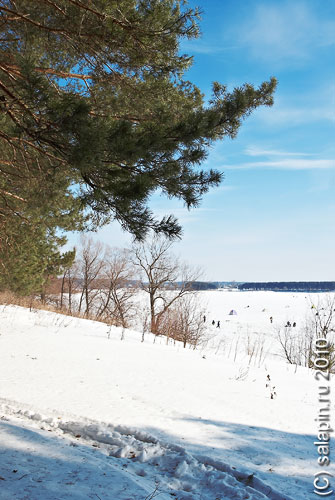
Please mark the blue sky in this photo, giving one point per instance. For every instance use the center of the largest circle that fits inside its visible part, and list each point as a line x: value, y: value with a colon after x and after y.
x: 273, y: 217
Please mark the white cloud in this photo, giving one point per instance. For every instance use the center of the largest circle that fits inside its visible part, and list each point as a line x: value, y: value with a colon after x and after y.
x: 253, y: 151
x: 286, y: 164
x: 285, y: 30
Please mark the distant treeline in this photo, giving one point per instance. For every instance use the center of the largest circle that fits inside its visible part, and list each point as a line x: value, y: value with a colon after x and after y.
x: 202, y: 285
x: 276, y: 286
x: 291, y: 286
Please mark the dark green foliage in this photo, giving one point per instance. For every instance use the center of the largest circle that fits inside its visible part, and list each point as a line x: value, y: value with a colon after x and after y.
x: 94, y: 107
x: 30, y: 236
x: 99, y: 86
x: 30, y: 257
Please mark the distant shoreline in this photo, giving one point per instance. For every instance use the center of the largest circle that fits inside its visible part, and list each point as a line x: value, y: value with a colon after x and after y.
x: 274, y: 286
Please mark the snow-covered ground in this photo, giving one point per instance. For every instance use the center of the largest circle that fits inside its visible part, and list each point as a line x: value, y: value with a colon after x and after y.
x: 86, y: 415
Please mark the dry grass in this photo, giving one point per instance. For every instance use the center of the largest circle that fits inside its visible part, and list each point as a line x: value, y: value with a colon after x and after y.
x: 9, y: 298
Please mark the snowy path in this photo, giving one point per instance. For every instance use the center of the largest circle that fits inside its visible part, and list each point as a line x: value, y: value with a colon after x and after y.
x: 49, y: 458
x: 38, y: 465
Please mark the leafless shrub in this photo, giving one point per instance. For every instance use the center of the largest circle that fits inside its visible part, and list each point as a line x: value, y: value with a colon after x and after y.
x: 183, y: 322
x: 298, y: 344
x: 255, y: 349
x: 118, y: 288
x: 321, y: 325
x: 296, y: 348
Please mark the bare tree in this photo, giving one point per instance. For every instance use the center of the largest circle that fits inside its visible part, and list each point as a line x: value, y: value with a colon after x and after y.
x: 183, y: 321
x: 69, y: 286
x: 164, y: 277
x: 117, y: 293
x: 90, y: 265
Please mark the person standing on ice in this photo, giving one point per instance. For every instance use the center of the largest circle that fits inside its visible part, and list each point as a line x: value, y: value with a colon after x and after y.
x: 204, y: 318
x: 218, y: 325
x: 213, y: 322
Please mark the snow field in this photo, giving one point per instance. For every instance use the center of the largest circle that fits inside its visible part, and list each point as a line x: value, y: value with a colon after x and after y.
x: 200, y: 422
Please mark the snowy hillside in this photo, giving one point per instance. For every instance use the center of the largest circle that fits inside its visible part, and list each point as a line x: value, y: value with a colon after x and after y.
x: 86, y: 415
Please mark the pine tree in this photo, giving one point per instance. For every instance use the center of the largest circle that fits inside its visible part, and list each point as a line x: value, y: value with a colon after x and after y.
x: 92, y: 93
x: 30, y: 257
x: 31, y: 226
